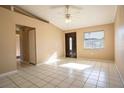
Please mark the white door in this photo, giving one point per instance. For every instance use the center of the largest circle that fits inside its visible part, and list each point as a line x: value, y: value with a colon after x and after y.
x: 17, y: 45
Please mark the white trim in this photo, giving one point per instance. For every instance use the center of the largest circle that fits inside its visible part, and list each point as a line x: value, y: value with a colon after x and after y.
x: 39, y: 64
x: 120, y: 74
x: 8, y: 73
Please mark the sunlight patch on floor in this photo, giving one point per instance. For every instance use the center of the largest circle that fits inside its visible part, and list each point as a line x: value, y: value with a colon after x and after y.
x: 76, y: 66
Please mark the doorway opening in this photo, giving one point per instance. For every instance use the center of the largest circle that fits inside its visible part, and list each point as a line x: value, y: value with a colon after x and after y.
x: 70, y: 45
x: 25, y: 45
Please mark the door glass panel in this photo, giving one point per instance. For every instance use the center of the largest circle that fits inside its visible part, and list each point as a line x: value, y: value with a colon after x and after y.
x: 70, y: 43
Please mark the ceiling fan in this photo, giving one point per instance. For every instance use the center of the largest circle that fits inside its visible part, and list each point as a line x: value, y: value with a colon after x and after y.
x: 67, y: 11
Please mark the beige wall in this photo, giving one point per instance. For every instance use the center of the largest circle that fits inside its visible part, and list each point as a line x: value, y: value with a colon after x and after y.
x: 49, y: 39
x: 119, y: 39
x: 7, y: 42
x: 107, y: 53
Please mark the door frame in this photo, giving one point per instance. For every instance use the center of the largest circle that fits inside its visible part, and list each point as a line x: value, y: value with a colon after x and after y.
x: 72, y: 41
x: 34, y: 38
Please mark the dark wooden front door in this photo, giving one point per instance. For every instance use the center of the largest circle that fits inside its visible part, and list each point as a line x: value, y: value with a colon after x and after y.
x: 70, y: 45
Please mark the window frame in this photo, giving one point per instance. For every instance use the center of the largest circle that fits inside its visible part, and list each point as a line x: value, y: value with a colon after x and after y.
x: 93, y: 32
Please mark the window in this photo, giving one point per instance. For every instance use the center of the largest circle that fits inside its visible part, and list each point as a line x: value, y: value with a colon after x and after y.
x: 94, y: 40
x: 70, y: 43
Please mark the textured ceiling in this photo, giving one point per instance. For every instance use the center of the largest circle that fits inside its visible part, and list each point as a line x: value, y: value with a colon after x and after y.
x: 82, y: 15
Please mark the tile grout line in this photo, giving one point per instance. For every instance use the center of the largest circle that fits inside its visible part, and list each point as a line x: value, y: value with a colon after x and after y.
x: 99, y: 76
x: 59, y: 82
x: 28, y: 80
x: 43, y: 79
x: 119, y: 74
x: 89, y: 74
x: 13, y: 81
x: 35, y: 76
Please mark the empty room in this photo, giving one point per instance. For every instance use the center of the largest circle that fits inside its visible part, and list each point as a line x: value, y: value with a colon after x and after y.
x: 61, y: 46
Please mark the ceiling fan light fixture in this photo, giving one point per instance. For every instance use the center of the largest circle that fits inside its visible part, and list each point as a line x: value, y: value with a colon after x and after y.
x: 67, y: 18
x: 67, y: 15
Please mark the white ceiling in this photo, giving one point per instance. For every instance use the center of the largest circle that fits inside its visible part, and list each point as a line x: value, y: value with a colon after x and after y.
x: 86, y: 15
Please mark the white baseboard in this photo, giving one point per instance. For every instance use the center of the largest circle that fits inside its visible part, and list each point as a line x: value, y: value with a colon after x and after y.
x: 120, y: 74
x: 8, y: 73
x: 39, y: 64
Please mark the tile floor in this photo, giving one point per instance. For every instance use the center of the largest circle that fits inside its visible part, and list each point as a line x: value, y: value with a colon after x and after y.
x: 65, y: 73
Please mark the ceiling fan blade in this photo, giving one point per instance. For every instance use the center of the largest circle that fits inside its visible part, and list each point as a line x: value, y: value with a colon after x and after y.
x: 64, y: 6
x: 76, y: 7
x: 56, y: 6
